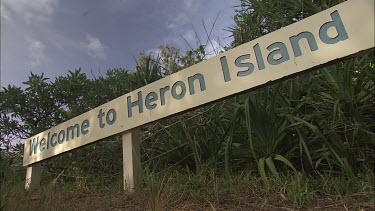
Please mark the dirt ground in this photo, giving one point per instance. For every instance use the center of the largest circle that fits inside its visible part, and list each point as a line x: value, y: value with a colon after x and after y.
x: 239, y: 199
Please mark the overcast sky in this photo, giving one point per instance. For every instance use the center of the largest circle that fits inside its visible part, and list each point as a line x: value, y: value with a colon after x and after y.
x: 54, y: 36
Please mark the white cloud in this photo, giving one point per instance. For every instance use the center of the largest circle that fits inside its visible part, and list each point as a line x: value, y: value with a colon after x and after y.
x: 213, y: 48
x: 94, y: 47
x: 30, y: 10
x: 4, y: 13
x: 191, y: 4
x: 189, y: 37
x: 182, y: 19
x: 188, y: 3
x: 153, y: 51
x: 37, y: 53
x: 178, y: 21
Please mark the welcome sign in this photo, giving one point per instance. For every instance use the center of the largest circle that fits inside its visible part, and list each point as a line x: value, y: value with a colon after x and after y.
x: 327, y: 37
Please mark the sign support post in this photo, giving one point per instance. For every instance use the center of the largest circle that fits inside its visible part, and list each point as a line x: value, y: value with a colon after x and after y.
x: 131, y: 160
x: 33, y: 174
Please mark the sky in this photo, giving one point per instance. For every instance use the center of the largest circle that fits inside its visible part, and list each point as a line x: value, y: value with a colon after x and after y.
x: 55, y: 36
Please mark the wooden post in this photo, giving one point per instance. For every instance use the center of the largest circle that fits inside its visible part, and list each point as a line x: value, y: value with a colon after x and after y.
x: 131, y: 160
x: 33, y: 174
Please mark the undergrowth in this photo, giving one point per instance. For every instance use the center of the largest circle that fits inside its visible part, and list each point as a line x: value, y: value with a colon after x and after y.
x: 175, y: 189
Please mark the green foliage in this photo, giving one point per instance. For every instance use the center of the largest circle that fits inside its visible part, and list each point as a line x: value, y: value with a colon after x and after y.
x: 255, y: 18
x: 148, y: 70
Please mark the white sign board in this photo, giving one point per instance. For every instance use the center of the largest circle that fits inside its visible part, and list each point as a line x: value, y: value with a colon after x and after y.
x: 339, y: 32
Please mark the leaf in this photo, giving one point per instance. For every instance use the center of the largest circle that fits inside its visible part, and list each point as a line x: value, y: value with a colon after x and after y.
x: 248, y: 126
x: 312, y: 127
x: 305, y: 148
x: 271, y: 166
x: 262, y: 170
x: 285, y: 161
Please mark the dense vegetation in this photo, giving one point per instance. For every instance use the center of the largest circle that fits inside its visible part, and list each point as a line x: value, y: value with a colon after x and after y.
x: 313, y: 129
